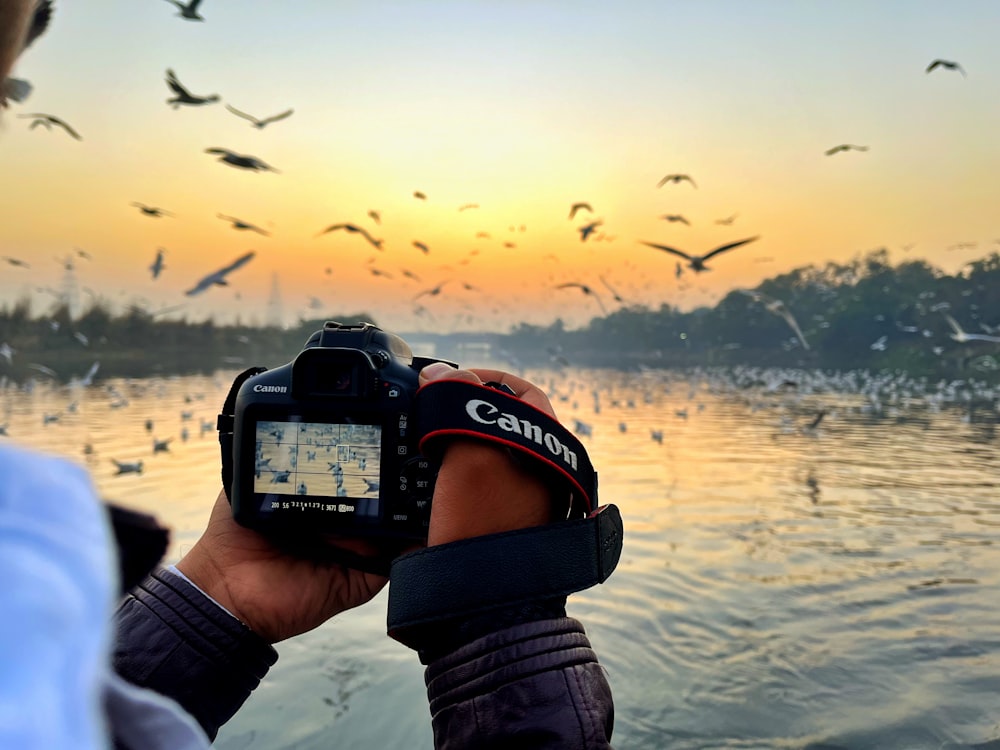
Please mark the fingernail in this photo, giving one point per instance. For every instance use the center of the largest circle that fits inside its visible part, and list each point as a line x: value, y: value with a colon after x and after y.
x: 436, y: 371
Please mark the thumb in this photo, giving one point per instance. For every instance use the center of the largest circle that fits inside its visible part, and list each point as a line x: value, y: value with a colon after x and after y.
x: 444, y: 371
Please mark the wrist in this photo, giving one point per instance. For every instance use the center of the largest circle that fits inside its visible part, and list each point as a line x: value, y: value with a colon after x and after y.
x: 515, y: 498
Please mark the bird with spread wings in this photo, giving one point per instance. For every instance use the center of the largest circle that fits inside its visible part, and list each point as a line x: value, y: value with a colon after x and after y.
x: 697, y: 262
x: 844, y: 147
x: 183, y: 96
x: 946, y: 64
x: 245, y: 225
x: 776, y: 306
x: 677, y: 179
x: 218, y: 278
x: 47, y: 121
x: 260, y: 124
x: 188, y: 12
x: 377, y: 244
x: 586, y: 290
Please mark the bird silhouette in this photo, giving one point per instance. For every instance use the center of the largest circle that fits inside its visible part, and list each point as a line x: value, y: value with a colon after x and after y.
x: 467, y: 206
x: 260, y: 124
x: 579, y: 207
x: 962, y: 337
x: 947, y: 65
x: 218, y: 278
x: 586, y: 290
x: 244, y: 225
x: 152, y: 211
x: 432, y: 292
x: 673, y: 218
x: 844, y: 147
x: 617, y: 297
x: 183, y: 96
x: 377, y: 244
x: 727, y: 221
x: 17, y: 262
x: 776, y: 306
x: 697, y: 262
x: 422, y: 247
x: 157, y: 266
x: 240, y: 161
x: 189, y: 11
x: 374, y: 216
x: 420, y: 196
x: 588, y: 229
x: 676, y: 179
x: 47, y: 121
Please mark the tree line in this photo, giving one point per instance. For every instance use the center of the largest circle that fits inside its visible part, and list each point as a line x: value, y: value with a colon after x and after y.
x: 867, y: 313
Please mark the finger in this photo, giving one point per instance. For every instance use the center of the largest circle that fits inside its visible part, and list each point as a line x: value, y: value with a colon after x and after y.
x: 443, y: 371
x: 523, y: 389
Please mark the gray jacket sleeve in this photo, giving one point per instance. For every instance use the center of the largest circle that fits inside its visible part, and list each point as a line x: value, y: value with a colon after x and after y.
x: 176, y: 641
x: 533, y: 685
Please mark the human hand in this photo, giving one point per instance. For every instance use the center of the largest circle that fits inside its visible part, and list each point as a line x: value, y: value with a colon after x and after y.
x: 479, y: 489
x: 276, y: 594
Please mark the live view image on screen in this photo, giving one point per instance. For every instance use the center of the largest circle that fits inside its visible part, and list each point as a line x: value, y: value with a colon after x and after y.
x: 318, y: 459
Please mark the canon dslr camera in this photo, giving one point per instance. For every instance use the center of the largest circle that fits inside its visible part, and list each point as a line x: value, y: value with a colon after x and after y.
x: 325, y: 443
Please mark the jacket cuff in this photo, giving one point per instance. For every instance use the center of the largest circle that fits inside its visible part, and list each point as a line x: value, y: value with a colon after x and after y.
x: 500, y: 684
x: 176, y: 641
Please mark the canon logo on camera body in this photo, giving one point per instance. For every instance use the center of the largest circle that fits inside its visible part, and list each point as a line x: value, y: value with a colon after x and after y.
x: 486, y: 413
x: 270, y: 389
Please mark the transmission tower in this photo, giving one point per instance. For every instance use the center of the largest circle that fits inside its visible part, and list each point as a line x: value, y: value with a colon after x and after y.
x: 275, y: 313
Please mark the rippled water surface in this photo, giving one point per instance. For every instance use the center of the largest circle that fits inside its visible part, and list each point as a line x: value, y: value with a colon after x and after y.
x: 780, y: 586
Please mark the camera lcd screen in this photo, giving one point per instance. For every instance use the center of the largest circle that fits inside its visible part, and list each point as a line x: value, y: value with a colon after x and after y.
x: 319, y: 460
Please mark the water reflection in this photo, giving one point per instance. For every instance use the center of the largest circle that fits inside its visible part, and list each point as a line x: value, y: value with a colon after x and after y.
x: 781, y: 585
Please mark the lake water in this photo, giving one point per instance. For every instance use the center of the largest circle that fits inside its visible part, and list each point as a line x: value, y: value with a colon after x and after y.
x: 780, y: 586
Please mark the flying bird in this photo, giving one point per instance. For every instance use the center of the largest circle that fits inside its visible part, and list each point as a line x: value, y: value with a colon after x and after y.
x: 588, y: 229
x: 579, y: 207
x: 218, y: 278
x: 676, y: 179
x: 183, y: 96
x: 47, y: 121
x: 433, y: 292
x: 17, y: 88
x: 946, y: 64
x: 778, y: 307
x: 617, y: 297
x: 153, y: 211
x: 260, y: 124
x: 376, y: 217
x: 467, y: 206
x: 16, y: 262
x: 962, y: 337
x: 377, y: 244
x: 189, y: 11
x: 727, y: 221
x: 422, y: 247
x: 844, y: 147
x: 240, y: 224
x: 417, y: 194
x: 157, y: 266
x: 241, y: 161
x: 586, y: 290
x: 127, y: 468
x: 672, y: 218
x: 697, y: 262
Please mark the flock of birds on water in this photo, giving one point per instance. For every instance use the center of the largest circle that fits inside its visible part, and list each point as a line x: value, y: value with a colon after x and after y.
x: 796, y: 404
x: 182, y: 96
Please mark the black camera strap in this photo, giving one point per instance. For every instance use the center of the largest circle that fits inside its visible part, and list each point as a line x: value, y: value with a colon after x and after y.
x: 486, y: 574
x: 447, y: 409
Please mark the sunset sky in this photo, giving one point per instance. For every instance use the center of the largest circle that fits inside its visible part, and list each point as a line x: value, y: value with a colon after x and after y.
x: 520, y: 107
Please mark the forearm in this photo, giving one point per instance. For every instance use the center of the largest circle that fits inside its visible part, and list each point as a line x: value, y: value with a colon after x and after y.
x: 534, y: 685
x: 174, y: 640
